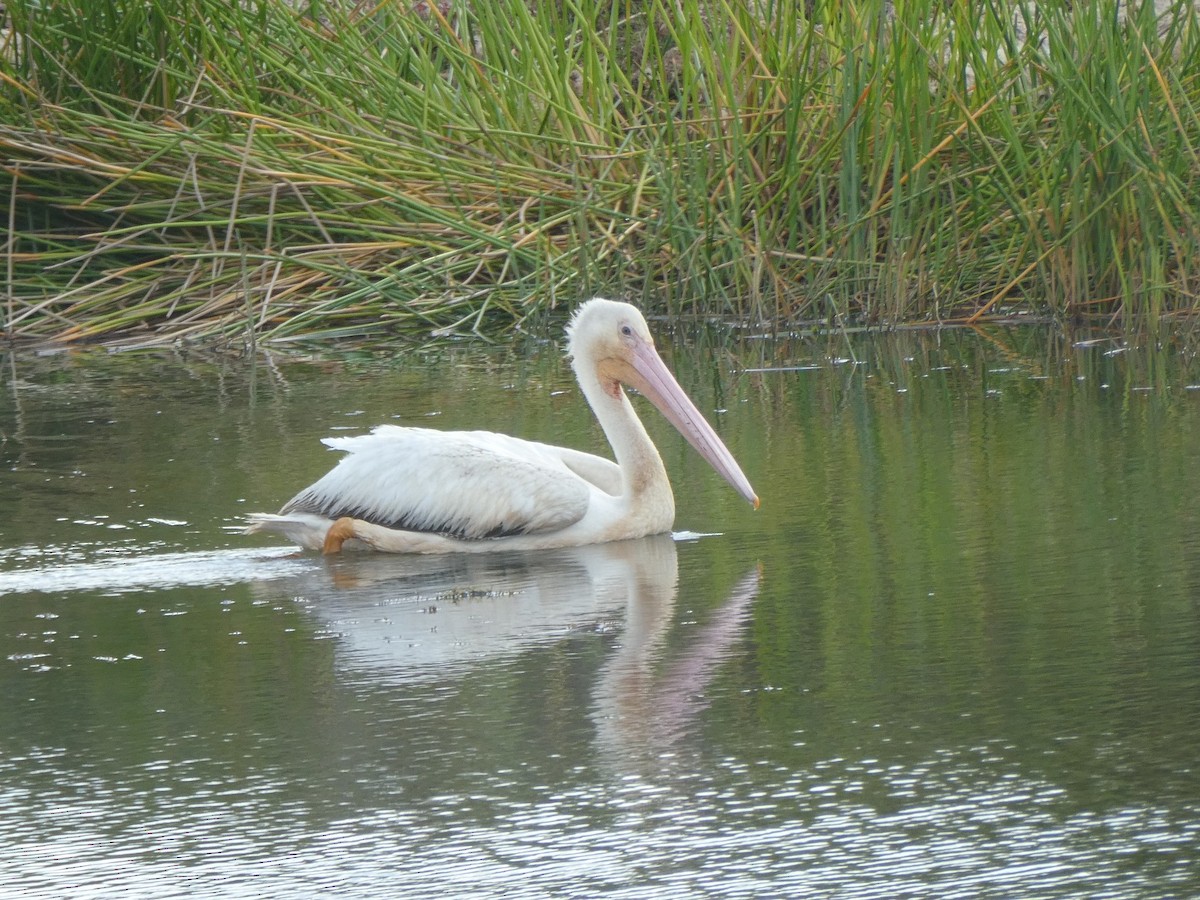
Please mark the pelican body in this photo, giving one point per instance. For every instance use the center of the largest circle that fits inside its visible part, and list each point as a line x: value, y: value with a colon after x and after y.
x: 418, y: 490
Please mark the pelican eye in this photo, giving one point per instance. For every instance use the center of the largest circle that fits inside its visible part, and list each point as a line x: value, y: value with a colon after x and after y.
x: 627, y: 331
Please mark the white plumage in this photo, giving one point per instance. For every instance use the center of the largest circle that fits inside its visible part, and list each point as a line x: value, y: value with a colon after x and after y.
x: 420, y: 490
x: 384, y: 478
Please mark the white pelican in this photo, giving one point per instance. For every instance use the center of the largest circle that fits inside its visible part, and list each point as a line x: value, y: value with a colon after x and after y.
x: 416, y: 490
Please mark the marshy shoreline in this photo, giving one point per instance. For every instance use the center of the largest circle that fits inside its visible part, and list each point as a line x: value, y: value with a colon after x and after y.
x: 209, y: 172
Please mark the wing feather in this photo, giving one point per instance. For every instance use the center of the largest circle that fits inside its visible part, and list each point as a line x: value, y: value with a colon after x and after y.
x: 467, y: 484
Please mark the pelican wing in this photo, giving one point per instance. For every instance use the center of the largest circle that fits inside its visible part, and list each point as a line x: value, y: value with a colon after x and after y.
x: 466, y: 484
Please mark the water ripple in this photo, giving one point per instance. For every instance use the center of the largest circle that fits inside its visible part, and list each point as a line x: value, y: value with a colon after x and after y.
x: 140, y: 571
x: 771, y: 831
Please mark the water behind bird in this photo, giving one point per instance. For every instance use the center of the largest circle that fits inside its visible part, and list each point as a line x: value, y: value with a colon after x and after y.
x: 954, y: 654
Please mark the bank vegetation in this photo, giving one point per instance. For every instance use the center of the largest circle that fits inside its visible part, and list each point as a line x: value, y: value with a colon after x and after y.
x: 263, y: 170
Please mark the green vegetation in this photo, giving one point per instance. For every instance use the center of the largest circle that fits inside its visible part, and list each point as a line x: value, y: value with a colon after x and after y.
x: 268, y: 169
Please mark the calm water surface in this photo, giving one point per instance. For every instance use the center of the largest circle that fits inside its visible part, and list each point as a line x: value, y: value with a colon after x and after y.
x: 955, y: 654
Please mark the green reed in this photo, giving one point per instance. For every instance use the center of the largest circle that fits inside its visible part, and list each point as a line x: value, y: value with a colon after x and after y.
x: 201, y: 169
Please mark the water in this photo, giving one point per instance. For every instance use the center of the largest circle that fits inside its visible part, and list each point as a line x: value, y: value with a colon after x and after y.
x: 955, y: 654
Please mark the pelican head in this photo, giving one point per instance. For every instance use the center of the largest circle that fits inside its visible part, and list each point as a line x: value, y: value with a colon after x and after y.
x: 611, y: 342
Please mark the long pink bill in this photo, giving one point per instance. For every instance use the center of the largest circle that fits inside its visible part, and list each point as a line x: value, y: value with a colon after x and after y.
x: 660, y: 388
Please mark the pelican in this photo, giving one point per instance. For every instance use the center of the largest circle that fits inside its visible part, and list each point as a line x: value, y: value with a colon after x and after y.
x: 418, y: 490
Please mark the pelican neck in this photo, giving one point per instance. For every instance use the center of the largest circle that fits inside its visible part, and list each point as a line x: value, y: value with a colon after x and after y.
x: 639, y: 460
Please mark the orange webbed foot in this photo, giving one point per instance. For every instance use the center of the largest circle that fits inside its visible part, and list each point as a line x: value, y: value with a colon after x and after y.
x: 339, y: 532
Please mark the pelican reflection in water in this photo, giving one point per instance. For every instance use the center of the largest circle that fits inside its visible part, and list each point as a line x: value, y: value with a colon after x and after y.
x: 403, y: 621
